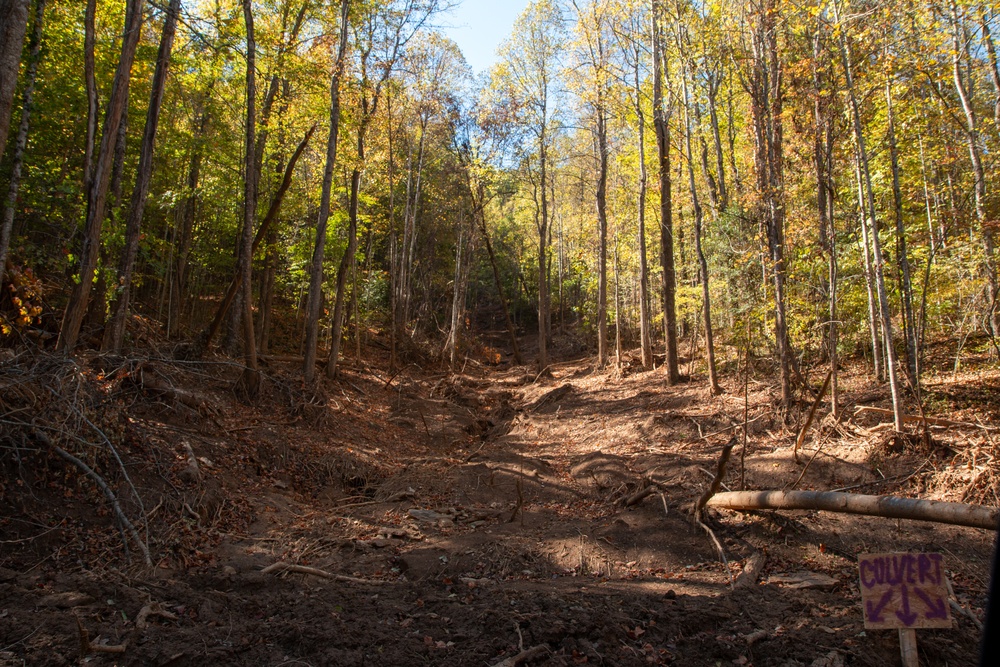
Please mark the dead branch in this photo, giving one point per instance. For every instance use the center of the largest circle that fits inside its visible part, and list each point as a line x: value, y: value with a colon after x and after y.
x: 720, y: 472
x: 147, y: 379
x: 108, y: 493
x: 912, y: 419
x: 893, y: 507
x: 86, y: 647
x: 812, y: 415
x: 524, y: 656
x: 150, y: 610
x: 280, y: 566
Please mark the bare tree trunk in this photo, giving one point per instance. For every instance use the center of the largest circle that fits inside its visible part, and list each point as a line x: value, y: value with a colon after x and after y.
x: 249, y: 383
x: 902, y: 260
x: 543, y: 231
x: 90, y: 82
x: 713, y: 116
x: 766, y: 110
x: 457, y: 292
x: 645, y: 338
x: 978, y: 173
x: 511, y: 330
x: 873, y: 325
x: 13, y: 24
x: 115, y: 330
x: 315, y: 298
x: 97, y: 193
x: 661, y: 123
x: 345, y: 264
x: 204, y: 340
x: 823, y: 155
x: 713, y: 378
x: 876, y: 245
x: 602, y: 236
x: 17, y: 162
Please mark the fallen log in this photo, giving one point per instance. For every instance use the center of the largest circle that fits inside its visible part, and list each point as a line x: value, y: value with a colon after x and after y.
x: 956, y: 514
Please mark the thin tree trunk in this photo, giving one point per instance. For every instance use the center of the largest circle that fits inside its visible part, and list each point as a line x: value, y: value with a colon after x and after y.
x: 315, y: 298
x: 266, y: 300
x: 602, y: 236
x: 98, y: 191
x: 713, y: 378
x: 115, y: 330
x: 979, y: 174
x: 994, y: 68
x: 873, y: 325
x: 13, y: 24
x: 903, y: 262
x: 644, y: 325
x: 878, y: 262
x: 35, y: 46
x: 543, y: 230
x: 661, y: 123
x: 204, y: 340
x: 90, y: 82
x: 249, y: 383
x: 345, y: 262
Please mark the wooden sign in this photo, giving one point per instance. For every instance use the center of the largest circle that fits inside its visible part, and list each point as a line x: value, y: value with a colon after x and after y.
x: 904, y: 590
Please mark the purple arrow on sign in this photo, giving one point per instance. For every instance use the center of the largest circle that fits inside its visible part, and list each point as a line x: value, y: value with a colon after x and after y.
x: 875, y: 611
x: 936, y: 607
x: 904, y: 614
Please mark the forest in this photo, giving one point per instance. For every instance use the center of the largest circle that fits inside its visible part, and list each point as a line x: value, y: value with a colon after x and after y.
x: 293, y: 303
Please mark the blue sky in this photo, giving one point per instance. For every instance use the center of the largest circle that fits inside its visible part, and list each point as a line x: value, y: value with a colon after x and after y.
x: 479, y: 26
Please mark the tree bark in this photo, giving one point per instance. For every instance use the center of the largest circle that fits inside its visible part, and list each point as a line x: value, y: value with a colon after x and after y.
x: 13, y: 24
x: 98, y: 190
x: 17, y: 161
x: 956, y: 514
x: 114, y: 331
x: 645, y: 340
x: 870, y: 217
x: 978, y: 174
x: 713, y: 378
x: 602, y: 234
x: 766, y: 110
x: 315, y: 298
x: 249, y: 382
x: 661, y: 123
x: 902, y: 260
x: 90, y: 82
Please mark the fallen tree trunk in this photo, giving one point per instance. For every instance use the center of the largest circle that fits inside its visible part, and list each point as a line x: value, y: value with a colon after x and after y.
x: 957, y: 514
x: 915, y: 419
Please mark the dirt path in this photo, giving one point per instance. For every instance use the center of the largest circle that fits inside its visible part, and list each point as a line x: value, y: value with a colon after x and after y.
x: 473, y: 517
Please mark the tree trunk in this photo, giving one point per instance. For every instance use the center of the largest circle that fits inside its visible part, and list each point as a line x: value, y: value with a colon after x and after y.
x: 873, y: 325
x: 543, y: 235
x: 315, y: 298
x: 21, y: 142
x: 978, y: 174
x: 644, y: 324
x: 876, y: 245
x: 90, y: 82
x: 902, y: 260
x: 115, y: 330
x: 713, y: 378
x: 957, y: 514
x: 602, y: 236
x: 766, y: 111
x: 13, y: 24
x: 345, y: 264
x: 249, y: 383
x: 266, y: 300
x: 204, y: 340
x: 661, y: 123
x: 98, y: 191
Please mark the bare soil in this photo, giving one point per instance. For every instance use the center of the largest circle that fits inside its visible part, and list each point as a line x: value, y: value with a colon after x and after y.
x: 467, y: 517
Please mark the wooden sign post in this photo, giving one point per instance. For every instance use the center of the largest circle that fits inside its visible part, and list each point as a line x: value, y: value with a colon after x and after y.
x: 904, y: 591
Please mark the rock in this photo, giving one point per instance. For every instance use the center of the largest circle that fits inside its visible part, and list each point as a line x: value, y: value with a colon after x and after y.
x: 429, y: 516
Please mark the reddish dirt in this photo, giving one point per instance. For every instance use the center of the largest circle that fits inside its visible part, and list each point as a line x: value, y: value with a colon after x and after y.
x: 468, y: 516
